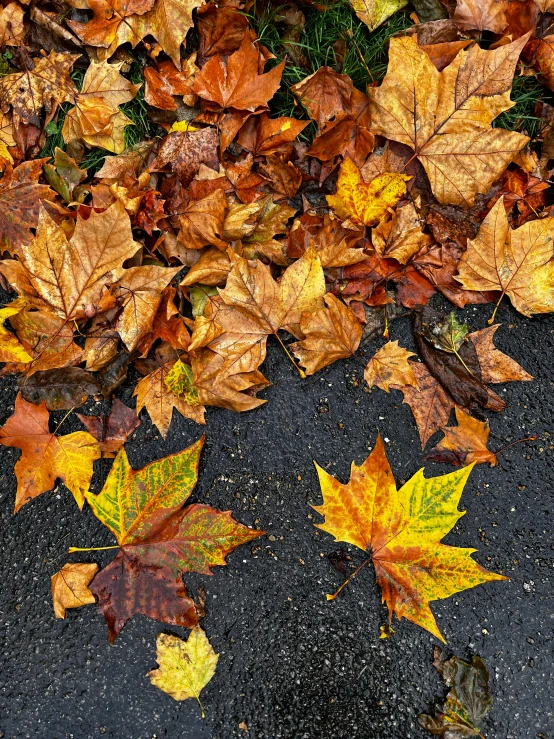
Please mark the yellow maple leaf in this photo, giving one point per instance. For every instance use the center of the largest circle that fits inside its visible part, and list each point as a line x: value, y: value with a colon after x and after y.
x: 401, y: 531
x: 375, y: 12
x: 11, y: 350
x: 185, y: 668
x: 362, y: 202
x: 518, y: 263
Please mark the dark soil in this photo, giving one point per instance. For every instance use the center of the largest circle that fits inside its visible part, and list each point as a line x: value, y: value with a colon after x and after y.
x: 293, y: 665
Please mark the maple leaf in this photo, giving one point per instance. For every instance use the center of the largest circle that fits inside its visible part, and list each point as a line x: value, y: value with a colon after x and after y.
x: 184, y: 668
x: 96, y: 118
x: 429, y: 402
x: 468, y: 700
x: 117, y: 22
x: 389, y: 366
x: 186, y: 150
x: 46, y: 457
x: 158, y: 539
x: 445, y: 117
x: 70, y: 587
x: 518, y: 263
x: 330, y: 333
x: 375, y: 12
x: 11, y: 349
x: 401, y: 238
x: 365, y: 203
x: 69, y: 277
x: 20, y: 196
x: 154, y: 394
x: 202, y: 222
x: 401, y: 531
x: 236, y: 83
x: 113, y: 430
x: 47, y: 85
x: 65, y: 176
x: 163, y: 84
x: 264, y: 135
x: 464, y: 444
x: 12, y: 31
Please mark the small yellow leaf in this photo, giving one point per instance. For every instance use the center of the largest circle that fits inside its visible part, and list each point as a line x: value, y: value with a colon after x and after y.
x: 375, y: 12
x: 10, y: 348
x: 362, y: 202
x: 183, y: 126
x: 185, y: 668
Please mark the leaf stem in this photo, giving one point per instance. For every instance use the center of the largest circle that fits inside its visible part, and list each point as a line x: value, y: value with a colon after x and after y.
x: 517, y: 441
x: 90, y: 549
x: 351, y: 577
x: 289, y: 355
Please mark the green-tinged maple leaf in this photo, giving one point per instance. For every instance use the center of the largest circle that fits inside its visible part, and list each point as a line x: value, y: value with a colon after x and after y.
x: 158, y: 539
x: 401, y: 531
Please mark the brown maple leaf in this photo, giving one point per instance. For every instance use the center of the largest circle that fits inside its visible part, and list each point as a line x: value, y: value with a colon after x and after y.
x: 111, y: 431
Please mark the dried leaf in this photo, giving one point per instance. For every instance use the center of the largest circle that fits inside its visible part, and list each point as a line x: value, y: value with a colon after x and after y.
x: 70, y: 587
x: 60, y: 389
x: 113, y: 430
x: 464, y: 444
x: 375, y: 12
x: 389, y: 367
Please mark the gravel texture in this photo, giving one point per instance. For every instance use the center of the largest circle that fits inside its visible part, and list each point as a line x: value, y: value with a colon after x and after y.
x: 293, y: 665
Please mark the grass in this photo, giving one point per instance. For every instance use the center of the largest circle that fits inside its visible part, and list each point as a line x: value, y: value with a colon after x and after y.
x: 526, y: 91
x: 365, y: 54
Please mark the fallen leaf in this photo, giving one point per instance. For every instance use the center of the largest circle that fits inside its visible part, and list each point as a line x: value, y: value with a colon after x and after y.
x: 46, y: 457
x: 65, y: 176
x: 365, y: 203
x: 330, y: 333
x: 236, y: 82
x: 12, y: 30
x: 463, y: 444
x: 185, y: 151
x: 389, y: 366
x: 158, y: 539
x: 401, y: 532
x: 452, y: 137
x: 479, y: 15
x: 429, y: 402
x: 468, y: 700
x: 111, y: 431
x: 184, y: 668
x: 70, y: 587
x: 11, y: 349
x: 402, y: 237
x: 96, y: 118
x: 60, y: 389
x: 375, y: 12
x: 516, y: 262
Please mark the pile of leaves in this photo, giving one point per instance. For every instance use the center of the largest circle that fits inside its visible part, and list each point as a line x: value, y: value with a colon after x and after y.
x: 159, y: 211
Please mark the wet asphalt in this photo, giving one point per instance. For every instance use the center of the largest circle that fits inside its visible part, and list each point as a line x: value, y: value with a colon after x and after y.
x: 293, y: 665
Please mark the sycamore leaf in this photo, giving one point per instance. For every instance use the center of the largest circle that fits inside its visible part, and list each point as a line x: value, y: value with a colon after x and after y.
x: 185, y: 151
x: 184, y: 668
x: 468, y: 700
x: 445, y: 117
x: 96, y: 118
x: 12, y: 31
x: 70, y: 276
x: 154, y: 394
x: 202, y: 222
x: 158, y: 539
x: 46, y: 457
x: 65, y: 176
x: 20, y: 196
x: 117, y: 22
x: 70, y: 587
x: 401, y: 238
x: 330, y: 333
x: 448, y: 334
x: 518, y: 263
x: 47, y: 85
x: 113, y: 430
x: 375, y: 12
x: 464, y: 444
x: 11, y: 349
x: 390, y: 367
x: 365, y: 203
x: 401, y: 532
x: 236, y: 82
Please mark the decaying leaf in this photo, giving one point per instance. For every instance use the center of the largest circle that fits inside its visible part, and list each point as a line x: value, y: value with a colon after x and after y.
x: 184, y: 668
x: 113, y: 430
x: 158, y: 539
x: 60, y: 389
x: 70, y: 587
x: 11, y: 349
x: 468, y: 700
x: 375, y: 12
x: 46, y: 457
x: 401, y: 532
